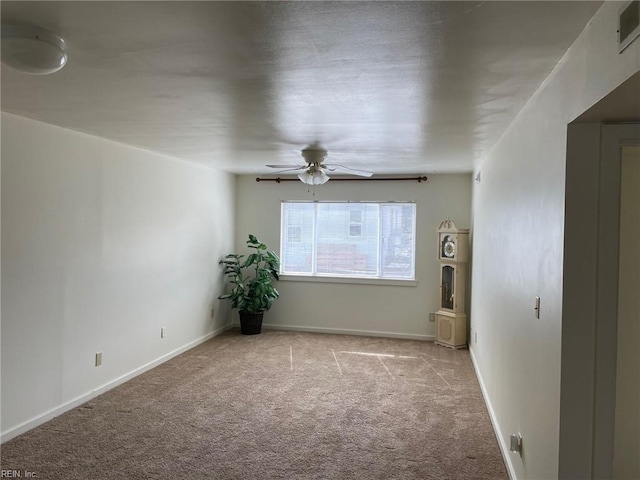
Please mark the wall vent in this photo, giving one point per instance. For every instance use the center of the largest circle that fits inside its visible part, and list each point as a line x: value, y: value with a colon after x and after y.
x: 628, y: 24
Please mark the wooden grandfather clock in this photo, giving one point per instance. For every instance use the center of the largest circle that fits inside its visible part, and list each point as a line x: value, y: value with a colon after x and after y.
x: 453, y: 253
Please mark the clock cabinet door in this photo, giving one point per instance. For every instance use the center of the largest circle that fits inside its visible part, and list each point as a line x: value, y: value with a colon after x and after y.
x: 447, y: 287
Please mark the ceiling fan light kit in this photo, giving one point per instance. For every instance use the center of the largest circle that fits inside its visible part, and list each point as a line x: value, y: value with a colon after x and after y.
x: 32, y: 50
x: 314, y: 176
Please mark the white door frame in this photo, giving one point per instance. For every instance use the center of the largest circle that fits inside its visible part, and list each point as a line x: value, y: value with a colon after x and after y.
x: 590, y: 297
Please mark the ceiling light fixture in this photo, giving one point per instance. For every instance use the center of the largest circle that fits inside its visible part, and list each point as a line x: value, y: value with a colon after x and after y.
x: 314, y: 175
x: 32, y: 50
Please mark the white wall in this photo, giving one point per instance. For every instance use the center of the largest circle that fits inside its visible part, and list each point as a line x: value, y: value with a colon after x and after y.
x: 352, y: 308
x: 518, y: 223
x: 626, y: 460
x: 102, y: 245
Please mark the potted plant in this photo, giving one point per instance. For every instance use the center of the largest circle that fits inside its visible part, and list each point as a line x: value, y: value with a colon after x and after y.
x: 253, y: 290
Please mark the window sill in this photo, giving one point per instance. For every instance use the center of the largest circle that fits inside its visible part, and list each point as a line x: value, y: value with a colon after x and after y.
x: 352, y: 280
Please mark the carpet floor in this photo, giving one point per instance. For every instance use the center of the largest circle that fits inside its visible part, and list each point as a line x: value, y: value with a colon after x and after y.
x: 280, y: 405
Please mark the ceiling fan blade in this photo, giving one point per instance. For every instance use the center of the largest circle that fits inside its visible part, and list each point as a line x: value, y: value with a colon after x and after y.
x: 287, y: 166
x: 348, y: 170
x: 295, y: 169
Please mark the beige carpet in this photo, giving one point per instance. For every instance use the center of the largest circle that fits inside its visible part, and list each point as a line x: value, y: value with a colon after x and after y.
x: 278, y: 405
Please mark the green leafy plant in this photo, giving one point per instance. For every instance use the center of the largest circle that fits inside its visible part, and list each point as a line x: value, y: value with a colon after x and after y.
x: 252, y: 278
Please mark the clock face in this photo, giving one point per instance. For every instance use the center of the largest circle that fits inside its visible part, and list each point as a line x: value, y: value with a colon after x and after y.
x: 449, y: 249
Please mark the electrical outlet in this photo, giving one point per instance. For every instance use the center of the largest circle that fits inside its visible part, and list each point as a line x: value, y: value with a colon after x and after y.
x: 163, y: 332
x: 475, y: 337
x: 213, y: 312
x: 432, y: 317
x: 98, y: 359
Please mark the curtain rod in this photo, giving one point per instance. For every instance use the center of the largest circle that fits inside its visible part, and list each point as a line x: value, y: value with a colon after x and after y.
x: 388, y: 179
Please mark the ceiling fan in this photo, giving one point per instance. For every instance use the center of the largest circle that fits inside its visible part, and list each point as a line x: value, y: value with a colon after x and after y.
x: 315, y: 170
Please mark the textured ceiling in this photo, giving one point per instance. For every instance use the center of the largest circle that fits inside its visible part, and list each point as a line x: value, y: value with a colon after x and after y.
x: 394, y: 87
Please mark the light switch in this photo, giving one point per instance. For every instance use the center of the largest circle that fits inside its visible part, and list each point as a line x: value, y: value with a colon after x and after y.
x: 515, y: 444
x: 536, y: 309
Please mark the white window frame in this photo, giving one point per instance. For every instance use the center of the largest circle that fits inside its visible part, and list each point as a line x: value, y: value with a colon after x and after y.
x: 354, y: 279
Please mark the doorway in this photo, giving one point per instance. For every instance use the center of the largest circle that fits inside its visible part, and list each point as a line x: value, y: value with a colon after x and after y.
x: 589, y: 432
x: 626, y: 449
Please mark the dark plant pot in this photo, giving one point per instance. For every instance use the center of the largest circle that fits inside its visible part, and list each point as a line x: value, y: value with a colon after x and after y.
x: 251, y: 323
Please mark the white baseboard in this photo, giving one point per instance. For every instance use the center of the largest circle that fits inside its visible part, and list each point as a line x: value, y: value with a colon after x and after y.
x: 342, y: 331
x: 71, y: 404
x: 494, y: 421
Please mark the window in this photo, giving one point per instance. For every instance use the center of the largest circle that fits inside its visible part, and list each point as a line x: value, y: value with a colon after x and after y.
x: 355, y: 223
x: 361, y: 240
